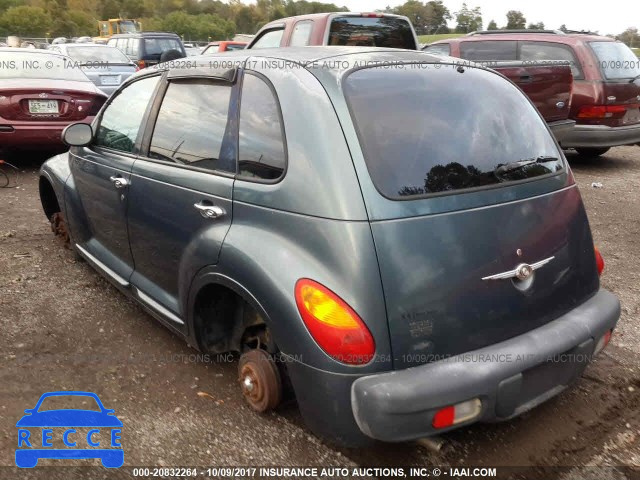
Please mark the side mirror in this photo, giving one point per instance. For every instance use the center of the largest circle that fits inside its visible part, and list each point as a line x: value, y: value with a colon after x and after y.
x: 77, y: 134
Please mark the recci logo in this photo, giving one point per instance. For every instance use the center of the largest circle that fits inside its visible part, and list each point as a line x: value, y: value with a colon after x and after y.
x: 49, y: 431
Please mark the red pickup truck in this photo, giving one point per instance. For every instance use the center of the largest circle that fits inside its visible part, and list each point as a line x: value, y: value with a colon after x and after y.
x: 355, y: 29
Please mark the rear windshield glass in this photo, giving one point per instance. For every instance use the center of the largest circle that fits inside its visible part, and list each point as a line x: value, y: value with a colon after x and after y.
x: 235, y: 46
x: 33, y: 66
x: 616, y: 60
x: 426, y: 131
x: 390, y: 32
x: 155, y: 46
x: 97, y: 54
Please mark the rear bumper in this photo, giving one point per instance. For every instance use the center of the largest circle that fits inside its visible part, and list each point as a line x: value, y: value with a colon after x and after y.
x: 561, y: 128
x: 601, y: 136
x: 33, y: 136
x: 509, y: 378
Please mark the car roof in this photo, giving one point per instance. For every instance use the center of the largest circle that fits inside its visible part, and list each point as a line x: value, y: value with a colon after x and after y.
x: 31, y: 50
x: 336, y: 60
x: 538, y: 36
x: 317, y: 16
x: 145, y: 34
x: 90, y: 45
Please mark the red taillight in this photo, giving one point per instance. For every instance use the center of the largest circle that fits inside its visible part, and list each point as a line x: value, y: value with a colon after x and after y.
x: 444, y: 417
x: 141, y: 64
x: 458, y: 413
x: 599, y: 260
x: 603, y: 342
x: 604, y: 111
x: 333, y: 324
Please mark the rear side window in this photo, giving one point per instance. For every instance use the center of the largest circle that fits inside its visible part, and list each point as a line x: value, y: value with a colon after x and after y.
x: 191, y: 128
x: 270, y: 39
x: 437, y: 130
x: 121, y: 120
x: 301, y: 34
x: 438, y: 49
x: 616, y: 60
x: 261, y: 146
x: 546, y: 51
x: 497, y: 50
x: 390, y: 32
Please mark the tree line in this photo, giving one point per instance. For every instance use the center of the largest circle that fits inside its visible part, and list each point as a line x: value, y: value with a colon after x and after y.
x: 215, y: 19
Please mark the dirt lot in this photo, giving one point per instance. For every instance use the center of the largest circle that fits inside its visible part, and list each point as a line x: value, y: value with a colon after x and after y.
x: 65, y: 328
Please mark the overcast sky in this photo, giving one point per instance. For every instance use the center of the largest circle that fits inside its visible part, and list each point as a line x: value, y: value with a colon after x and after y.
x: 609, y: 16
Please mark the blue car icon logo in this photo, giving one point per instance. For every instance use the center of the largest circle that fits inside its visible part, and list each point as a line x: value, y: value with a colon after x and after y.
x: 69, y: 433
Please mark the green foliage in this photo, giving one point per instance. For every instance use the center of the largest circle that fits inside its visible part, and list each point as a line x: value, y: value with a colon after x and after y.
x: 427, y: 18
x: 25, y: 21
x: 492, y: 25
x: 515, y: 20
x: 630, y: 37
x: 468, y: 19
x: 536, y: 26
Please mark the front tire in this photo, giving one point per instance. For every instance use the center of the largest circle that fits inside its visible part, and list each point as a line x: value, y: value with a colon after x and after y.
x: 592, y: 152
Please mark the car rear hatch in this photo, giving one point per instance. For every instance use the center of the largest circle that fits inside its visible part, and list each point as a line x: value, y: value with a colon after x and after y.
x: 618, y: 101
x: 463, y: 182
x: 548, y: 86
x: 48, y: 100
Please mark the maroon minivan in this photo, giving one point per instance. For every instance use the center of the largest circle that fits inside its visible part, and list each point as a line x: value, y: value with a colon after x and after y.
x: 606, y: 92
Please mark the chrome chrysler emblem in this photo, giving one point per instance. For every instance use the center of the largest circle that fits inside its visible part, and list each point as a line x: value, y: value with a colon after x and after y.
x: 523, y: 271
x: 560, y: 104
x: 43, y: 95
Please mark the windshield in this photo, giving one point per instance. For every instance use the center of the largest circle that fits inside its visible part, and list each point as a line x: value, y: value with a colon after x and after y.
x: 127, y: 26
x: 35, y: 66
x: 109, y: 55
x: 427, y: 130
x: 155, y: 46
x: 616, y: 60
x: 68, y: 402
x: 390, y: 32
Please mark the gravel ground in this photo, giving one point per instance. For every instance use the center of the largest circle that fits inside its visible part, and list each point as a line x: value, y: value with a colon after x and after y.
x: 65, y: 328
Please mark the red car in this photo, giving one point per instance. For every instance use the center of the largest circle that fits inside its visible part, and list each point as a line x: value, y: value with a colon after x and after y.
x: 606, y: 78
x: 226, y: 46
x: 40, y: 94
x: 338, y: 29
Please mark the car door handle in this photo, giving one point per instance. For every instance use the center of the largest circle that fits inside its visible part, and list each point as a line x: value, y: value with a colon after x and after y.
x: 209, y: 211
x: 119, y: 182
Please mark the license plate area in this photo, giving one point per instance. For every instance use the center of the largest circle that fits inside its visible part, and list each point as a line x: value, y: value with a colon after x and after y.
x: 110, y: 80
x: 43, y: 106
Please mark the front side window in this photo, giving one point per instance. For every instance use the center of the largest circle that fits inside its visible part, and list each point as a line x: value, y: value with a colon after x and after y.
x: 121, y: 120
x: 192, y: 126
x: 270, y: 39
x: 301, y: 34
x: 548, y: 52
x: 438, y: 130
x: 261, y: 147
x: 496, y: 50
x: 616, y: 60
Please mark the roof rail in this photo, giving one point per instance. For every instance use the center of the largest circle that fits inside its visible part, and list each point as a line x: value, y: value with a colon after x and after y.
x: 491, y: 32
x: 583, y: 32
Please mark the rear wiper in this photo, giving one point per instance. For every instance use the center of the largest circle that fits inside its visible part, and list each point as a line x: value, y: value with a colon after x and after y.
x: 634, y: 78
x: 508, y: 167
